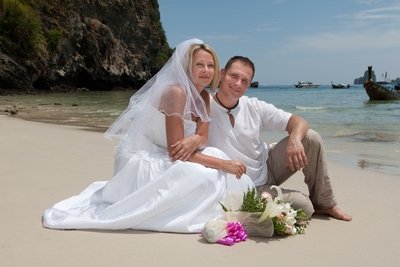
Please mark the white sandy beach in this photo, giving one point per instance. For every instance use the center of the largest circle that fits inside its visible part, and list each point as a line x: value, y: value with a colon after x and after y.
x: 41, y: 164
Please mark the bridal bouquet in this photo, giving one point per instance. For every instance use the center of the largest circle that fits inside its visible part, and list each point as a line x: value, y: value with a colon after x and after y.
x: 254, y: 215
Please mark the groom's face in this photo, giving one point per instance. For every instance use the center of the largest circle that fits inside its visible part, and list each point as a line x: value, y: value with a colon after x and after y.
x: 236, y: 79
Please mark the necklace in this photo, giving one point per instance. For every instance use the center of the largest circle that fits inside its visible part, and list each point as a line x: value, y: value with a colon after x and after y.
x: 228, y: 110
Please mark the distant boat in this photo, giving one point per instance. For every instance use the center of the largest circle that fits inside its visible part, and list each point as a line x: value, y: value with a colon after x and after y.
x: 340, y: 85
x: 380, y: 90
x: 306, y: 84
x: 254, y: 84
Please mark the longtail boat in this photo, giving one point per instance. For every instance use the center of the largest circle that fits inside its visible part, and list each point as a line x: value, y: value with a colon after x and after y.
x: 340, y: 85
x: 378, y: 91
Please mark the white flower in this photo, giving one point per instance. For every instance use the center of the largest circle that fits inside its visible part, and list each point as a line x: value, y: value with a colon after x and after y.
x: 294, y: 230
x: 272, y: 209
x: 291, y: 216
x: 266, y: 195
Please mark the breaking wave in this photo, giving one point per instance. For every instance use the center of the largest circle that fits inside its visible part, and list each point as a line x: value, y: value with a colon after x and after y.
x: 310, y: 108
x: 372, y: 136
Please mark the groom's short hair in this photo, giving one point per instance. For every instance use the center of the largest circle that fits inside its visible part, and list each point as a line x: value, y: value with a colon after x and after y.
x: 243, y: 60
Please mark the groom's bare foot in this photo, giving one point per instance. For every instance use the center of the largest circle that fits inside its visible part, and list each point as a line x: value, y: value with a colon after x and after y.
x: 336, y: 213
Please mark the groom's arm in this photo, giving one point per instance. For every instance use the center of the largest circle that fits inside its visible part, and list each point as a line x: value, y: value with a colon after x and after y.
x: 296, y: 158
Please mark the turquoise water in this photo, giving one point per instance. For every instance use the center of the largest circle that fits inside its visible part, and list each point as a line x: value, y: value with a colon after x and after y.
x: 338, y: 112
x: 356, y: 131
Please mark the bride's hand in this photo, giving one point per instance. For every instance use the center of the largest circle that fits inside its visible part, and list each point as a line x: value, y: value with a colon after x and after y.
x: 233, y: 166
x: 184, y: 148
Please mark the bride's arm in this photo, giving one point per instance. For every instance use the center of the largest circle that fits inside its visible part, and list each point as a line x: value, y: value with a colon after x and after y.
x: 175, y: 132
x: 235, y: 167
x: 184, y: 148
x: 174, y: 126
x: 179, y: 147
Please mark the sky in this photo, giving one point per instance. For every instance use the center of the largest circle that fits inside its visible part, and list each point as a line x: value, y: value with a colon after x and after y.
x: 294, y: 40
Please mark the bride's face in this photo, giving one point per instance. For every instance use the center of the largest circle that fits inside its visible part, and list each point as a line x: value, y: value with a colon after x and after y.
x: 203, y: 69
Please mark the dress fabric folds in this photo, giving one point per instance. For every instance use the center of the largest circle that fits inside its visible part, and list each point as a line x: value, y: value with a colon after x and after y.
x: 148, y: 191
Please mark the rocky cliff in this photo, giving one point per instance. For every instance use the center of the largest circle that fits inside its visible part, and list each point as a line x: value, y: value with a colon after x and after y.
x: 363, y: 79
x: 93, y: 44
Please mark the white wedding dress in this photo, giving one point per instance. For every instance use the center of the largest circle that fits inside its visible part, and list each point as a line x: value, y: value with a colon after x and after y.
x: 148, y: 191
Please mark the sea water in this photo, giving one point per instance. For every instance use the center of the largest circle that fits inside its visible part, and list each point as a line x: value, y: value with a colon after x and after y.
x: 355, y: 130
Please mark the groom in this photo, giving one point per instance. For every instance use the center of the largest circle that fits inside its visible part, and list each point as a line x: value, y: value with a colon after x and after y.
x: 235, y: 128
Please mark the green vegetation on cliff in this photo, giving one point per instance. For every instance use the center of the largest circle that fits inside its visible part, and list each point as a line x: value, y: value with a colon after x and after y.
x: 98, y: 44
x: 20, y: 24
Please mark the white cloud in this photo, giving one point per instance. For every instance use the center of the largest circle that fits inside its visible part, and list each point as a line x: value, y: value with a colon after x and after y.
x: 348, y: 41
x: 383, y: 14
x: 369, y: 2
x: 377, y: 28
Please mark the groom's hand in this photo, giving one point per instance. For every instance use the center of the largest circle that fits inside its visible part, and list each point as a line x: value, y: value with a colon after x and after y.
x: 296, y: 158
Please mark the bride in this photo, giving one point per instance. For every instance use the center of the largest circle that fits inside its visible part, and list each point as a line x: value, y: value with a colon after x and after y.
x: 165, y: 178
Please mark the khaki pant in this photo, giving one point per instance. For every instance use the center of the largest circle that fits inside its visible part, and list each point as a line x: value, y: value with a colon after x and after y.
x: 315, y: 175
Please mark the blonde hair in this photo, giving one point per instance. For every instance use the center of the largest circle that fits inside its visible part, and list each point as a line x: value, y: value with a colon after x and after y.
x: 189, y: 58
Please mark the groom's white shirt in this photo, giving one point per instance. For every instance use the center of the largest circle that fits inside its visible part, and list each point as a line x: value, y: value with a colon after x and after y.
x: 243, y: 142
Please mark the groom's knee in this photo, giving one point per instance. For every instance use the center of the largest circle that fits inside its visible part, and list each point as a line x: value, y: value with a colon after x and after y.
x: 312, y: 138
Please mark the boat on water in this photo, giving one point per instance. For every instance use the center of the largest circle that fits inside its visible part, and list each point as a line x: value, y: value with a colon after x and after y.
x: 254, y: 84
x: 340, y: 85
x: 306, y: 84
x: 380, y: 90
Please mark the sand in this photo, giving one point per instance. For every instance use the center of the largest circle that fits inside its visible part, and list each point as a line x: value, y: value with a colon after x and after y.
x: 41, y: 164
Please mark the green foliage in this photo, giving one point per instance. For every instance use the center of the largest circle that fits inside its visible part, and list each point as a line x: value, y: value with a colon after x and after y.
x: 223, y: 207
x: 20, y: 24
x: 155, y: 14
x: 252, y: 202
x: 53, y: 37
x: 301, y: 215
x: 279, y: 226
x: 158, y: 61
x: 302, y: 221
